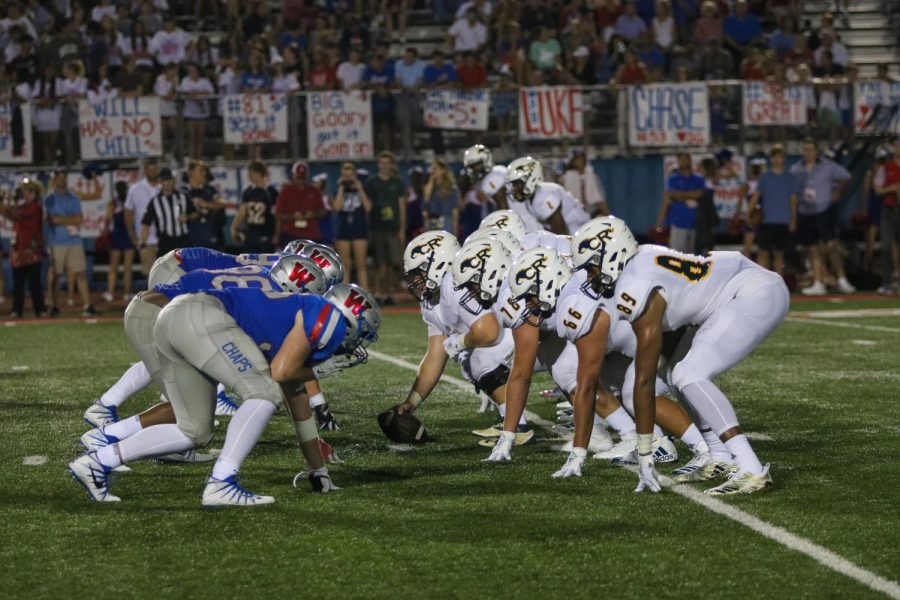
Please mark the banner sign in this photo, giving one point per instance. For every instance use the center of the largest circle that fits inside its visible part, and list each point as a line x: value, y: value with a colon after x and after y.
x: 340, y: 125
x: 94, y: 194
x: 225, y: 180
x: 877, y: 107
x: 120, y: 128
x: 15, y: 133
x: 549, y: 113
x: 457, y: 109
x: 767, y: 104
x: 668, y: 114
x: 255, y: 118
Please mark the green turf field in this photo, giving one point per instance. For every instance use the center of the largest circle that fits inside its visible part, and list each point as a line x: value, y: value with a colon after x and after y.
x: 437, y: 522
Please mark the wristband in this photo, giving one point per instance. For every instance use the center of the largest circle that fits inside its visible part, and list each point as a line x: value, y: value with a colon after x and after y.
x: 509, y: 436
x: 579, y: 452
x: 644, y: 443
x: 414, y: 398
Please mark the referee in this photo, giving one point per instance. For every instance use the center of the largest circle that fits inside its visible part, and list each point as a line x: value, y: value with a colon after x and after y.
x: 169, y: 211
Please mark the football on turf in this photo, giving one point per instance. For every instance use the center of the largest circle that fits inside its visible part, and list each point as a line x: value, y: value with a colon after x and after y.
x: 402, y: 428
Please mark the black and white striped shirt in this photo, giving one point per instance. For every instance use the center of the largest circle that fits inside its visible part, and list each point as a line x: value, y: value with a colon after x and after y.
x: 164, y: 212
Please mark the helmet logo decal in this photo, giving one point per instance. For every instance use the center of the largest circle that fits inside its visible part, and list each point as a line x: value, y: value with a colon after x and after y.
x: 531, y: 272
x: 476, y: 261
x: 428, y: 246
x: 320, y: 259
x: 357, y: 303
x: 502, y: 222
x: 595, y: 242
x: 301, y: 275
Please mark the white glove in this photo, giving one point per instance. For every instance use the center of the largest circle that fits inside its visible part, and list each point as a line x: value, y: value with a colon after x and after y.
x: 332, y: 366
x: 502, y: 447
x: 649, y: 478
x: 453, y: 345
x: 573, y: 465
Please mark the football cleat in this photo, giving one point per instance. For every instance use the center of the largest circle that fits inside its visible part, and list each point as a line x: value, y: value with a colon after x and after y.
x: 95, y: 439
x: 98, y: 415
x: 188, y: 456
x: 489, y: 432
x: 663, y: 452
x: 554, y: 393
x: 600, y: 441
x: 524, y: 435
x: 321, y: 482
x: 93, y: 477
x: 225, y: 406
x: 712, y: 469
x: 228, y: 492
x: 743, y: 483
x: 626, y: 446
x: 564, y: 405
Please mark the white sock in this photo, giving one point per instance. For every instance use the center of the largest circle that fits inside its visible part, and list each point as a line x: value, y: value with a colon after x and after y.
x: 147, y: 443
x: 220, y: 388
x: 246, y: 425
x: 657, y: 432
x: 692, y: 436
x: 136, y: 378
x: 717, y: 449
x: 316, y: 400
x: 124, y: 428
x: 501, y: 408
x: 744, y: 456
x: 522, y: 420
x: 621, y: 421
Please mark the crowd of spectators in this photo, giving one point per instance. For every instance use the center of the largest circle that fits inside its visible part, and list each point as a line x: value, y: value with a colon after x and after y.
x: 66, y: 49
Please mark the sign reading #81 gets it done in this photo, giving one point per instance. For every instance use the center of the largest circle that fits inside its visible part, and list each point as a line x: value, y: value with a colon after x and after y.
x: 668, y: 114
x: 340, y: 125
x: 255, y: 118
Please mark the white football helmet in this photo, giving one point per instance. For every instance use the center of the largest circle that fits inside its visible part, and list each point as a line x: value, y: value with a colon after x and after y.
x: 478, y: 161
x: 522, y: 178
x: 327, y: 260
x: 506, y: 220
x: 602, y: 246
x: 480, y: 268
x: 506, y: 238
x: 298, y: 274
x: 363, y: 316
x: 537, y: 277
x: 425, y: 261
x: 297, y: 246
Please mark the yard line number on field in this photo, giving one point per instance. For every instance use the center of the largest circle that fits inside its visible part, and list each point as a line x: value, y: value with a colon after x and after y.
x: 818, y: 553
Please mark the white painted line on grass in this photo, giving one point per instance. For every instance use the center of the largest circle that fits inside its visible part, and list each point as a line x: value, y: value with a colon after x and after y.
x: 841, y: 324
x: 34, y: 460
x: 759, y: 437
x: 843, y: 314
x: 864, y: 342
x: 19, y: 368
x: 818, y: 553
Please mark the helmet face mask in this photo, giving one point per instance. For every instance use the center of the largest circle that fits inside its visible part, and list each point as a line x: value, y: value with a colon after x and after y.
x: 522, y: 178
x: 477, y: 170
x: 417, y: 284
x: 359, y: 309
x: 602, y: 247
x: 426, y: 260
x: 479, y: 268
x: 537, y: 279
x: 517, y: 191
x: 478, y: 161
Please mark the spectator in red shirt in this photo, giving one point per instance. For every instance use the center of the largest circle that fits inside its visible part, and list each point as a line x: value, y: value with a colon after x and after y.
x: 27, y: 252
x: 298, y: 208
x: 323, y: 75
x: 607, y: 13
x: 632, y: 70
x: 471, y: 72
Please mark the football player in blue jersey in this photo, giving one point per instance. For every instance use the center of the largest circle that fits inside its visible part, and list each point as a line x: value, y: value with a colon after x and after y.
x: 219, y: 335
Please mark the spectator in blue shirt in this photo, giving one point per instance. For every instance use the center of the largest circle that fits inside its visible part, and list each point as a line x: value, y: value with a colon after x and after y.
x: 741, y: 28
x: 408, y: 75
x: 775, y: 200
x: 650, y: 54
x: 378, y: 78
x: 629, y: 24
x: 784, y: 39
x: 439, y: 73
x: 64, y: 217
x: 255, y: 78
x: 679, y: 208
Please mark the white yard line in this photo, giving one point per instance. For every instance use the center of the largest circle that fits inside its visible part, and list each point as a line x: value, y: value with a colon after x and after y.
x: 792, y: 319
x: 843, y: 314
x: 818, y: 553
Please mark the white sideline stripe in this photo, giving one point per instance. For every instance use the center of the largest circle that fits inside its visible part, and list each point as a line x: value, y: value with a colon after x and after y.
x: 842, y: 314
x: 841, y: 324
x: 818, y: 553
x: 34, y: 460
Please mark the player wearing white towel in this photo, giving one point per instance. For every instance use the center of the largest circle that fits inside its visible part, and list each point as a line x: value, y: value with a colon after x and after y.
x: 550, y: 203
x: 735, y: 304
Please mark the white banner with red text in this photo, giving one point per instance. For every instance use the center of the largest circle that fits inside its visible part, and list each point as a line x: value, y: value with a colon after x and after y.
x: 457, y: 109
x: 550, y: 113
x: 339, y: 125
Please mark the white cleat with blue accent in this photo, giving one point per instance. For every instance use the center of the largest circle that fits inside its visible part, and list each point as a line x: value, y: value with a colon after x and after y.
x: 98, y: 415
x: 225, y: 406
x: 228, y: 492
x: 95, y: 439
x: 93, y: 477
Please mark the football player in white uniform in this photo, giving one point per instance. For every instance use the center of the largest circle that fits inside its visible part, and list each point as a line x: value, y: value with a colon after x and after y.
x: 427, y: 264
x: 736, y: 305
x: 542, y: 293
x: 490, y: 180
x: 550, y: 203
